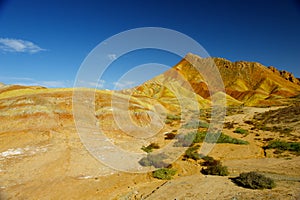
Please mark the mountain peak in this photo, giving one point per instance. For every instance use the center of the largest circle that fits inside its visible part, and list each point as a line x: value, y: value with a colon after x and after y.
x: 248, y: 83
x: 239, y: 65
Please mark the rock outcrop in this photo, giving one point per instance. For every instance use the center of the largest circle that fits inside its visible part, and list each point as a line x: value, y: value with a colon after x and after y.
x: 286, y: 75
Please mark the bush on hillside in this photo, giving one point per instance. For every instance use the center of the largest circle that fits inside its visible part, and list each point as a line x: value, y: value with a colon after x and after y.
x: 192, y: 152
x: 173, y: 117
x: 150, y: 147
x: 195, y: 125
x: 254, y: 180
x: 240, y: 131
x: 209, y: 161
x: 213, y: 167
x: 199, y: 136
x: 170, y: 136
x: 283, y: 146
x: 227, y: 139
x: 217, y: 169
x: 164, y: 173
x: 156, y: 160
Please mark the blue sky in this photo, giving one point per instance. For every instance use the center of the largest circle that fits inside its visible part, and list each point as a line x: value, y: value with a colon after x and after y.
x: 45, y: 42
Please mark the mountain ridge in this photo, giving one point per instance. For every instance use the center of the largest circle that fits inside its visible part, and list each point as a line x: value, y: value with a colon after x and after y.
x: 249, y: 83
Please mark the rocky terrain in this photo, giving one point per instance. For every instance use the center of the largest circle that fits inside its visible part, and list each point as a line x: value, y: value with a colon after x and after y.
x: 42, y: 155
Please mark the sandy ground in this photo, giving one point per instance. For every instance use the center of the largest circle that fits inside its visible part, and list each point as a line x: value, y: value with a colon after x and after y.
x: 53, y: 164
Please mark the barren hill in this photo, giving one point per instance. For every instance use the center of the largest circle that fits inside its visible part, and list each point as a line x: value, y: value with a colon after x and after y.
x: 256, y: 84
x: 247, y: 83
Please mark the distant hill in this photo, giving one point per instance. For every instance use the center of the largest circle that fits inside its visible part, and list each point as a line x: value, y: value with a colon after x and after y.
x: 255, y: 84
x: 248, y: 83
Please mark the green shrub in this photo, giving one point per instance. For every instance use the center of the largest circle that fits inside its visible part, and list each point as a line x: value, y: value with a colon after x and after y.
x: 156, y: 160
x: 164, y: 173
x: 170, y: 118
x: 203, y: 125
x: 240, y: 131
x: 190, y: 139
x: 197, y: 137
x: 170, y: 136
x: 217, y: 169
x: 168, y: 121
x: 173, y: 117
x: 286, y: 130
x: 229, y: 125
x: 249, y: 122
x: 264, y: 127
x: 254, y: 180
x: 214, y: 167
x: 210, y: 161
x: 192, y: 152
x: 227, y: 139
x: 191, y: 125
x: 185, y: 140
x: 283, y: 146
x: 195, y: 125
x: 150, y: 147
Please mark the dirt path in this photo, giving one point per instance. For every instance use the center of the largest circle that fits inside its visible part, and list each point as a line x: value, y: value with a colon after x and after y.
x: 280, y: 166
x: 248, y: 114
x: 215, y: 187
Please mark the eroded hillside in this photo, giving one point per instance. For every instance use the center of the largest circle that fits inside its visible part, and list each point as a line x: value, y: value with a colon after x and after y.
x: 247, y: 83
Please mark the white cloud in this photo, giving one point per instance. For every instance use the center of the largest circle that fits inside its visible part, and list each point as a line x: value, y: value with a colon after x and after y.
x: 112, y: 56
x: 53, y: 83
x: 123, y: 84
x: 17, y: 45
x: 49, y: 84
x: 101, y: 84
x: 33, y: 82
x: 98, y: 85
